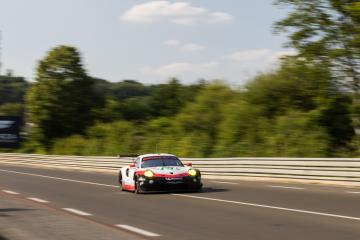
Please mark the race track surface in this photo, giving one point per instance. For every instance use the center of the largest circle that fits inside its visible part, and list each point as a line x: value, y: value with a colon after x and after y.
x: 224, y: 210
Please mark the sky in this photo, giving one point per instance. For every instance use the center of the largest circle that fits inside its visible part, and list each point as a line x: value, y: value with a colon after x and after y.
x: 148, y: 41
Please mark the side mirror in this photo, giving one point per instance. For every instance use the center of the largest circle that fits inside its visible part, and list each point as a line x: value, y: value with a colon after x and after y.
x: 132, y: 165
x: 189, y: 164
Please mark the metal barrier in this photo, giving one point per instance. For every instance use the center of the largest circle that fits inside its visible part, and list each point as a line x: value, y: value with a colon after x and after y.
x: 318, y: 169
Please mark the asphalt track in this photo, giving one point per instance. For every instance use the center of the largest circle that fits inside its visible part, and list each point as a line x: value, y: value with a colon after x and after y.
x: 224, y: 210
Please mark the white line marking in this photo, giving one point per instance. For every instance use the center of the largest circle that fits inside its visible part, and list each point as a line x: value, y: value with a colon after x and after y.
x: 272, y: 207
x: 205, y: 198
x: 10, y: 192
x: 138, y: 230
x: 37, y: 200
x: 62, y: 179
x: 353, y: 192
x: 274, y: 186
x: 223, y: 182
x: 78, y: 212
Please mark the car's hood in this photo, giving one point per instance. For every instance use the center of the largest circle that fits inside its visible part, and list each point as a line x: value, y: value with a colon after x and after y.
x: 169, y: 171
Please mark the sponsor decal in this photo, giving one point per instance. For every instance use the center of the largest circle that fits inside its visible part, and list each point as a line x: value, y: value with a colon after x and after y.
x: 173, y: 179
x: 159, y: 157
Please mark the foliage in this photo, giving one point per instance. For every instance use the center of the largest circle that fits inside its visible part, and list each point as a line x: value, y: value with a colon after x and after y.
x: 101, y: 139
x: 128, y: 89
x: 167, y: 99
x: 199, y: 120
x: 282, y: 113
x: 11, y: 109
x: 296, y: 110
x: 326, y: 31
x: 12, y: 89
x: 61, y: 101
x: 133, y: 101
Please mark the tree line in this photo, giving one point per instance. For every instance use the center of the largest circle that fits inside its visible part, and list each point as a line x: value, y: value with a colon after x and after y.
x: 308, y: 107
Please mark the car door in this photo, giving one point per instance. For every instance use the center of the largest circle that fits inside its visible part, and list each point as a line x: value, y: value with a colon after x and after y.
x: 130, y: 171
x: 133, y: 170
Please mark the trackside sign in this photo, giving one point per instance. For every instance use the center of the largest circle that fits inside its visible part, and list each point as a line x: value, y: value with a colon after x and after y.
x: 9, y: 132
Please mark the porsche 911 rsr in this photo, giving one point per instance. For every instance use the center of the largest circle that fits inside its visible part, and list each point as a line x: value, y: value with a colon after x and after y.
x: 159, y: 172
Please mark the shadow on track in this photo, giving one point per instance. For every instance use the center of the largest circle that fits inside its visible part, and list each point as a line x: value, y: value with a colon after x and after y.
x: 5, y: 210
x: 204, y: 190
x: 211, y: 189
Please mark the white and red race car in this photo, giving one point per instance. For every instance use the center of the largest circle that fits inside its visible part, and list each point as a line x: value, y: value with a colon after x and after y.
x: 159, y: 172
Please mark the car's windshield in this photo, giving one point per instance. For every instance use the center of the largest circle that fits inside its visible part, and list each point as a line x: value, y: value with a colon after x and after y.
x: 160, y: 162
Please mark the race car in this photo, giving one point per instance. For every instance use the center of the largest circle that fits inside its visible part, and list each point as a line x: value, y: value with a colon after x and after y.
x: 159, y: 172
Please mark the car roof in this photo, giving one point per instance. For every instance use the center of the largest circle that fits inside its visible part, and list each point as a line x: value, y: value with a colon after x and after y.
x: 157, y: 155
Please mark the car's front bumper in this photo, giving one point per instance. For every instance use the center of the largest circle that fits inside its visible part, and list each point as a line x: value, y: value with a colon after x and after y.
x: 170, y: 184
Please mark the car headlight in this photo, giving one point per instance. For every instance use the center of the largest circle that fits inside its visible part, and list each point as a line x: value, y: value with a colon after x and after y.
x: 148, y: 174
x: 192, y: 172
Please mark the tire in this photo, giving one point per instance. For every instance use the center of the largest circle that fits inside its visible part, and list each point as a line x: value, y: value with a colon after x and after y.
x: 120, y: 181
x: 137, y: 187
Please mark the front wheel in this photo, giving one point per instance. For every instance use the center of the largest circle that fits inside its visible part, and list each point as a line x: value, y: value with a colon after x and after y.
x: 137, y: 187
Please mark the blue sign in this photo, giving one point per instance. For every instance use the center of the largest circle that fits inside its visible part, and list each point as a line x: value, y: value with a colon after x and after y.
x: 9, y: 131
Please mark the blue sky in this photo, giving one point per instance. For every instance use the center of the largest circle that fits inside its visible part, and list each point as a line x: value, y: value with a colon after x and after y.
x: 149, y: 41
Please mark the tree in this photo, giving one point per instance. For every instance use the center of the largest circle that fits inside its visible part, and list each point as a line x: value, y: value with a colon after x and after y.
x: 335, y: 117
x: 101, y: 139
x: 304, y: 88
x: 295, y: 85
x: 12, y: 89
x: 328, y: 31
x: 298, y: 134
x: 160, y: 135
x: 199, y: 120
x: 136, y: 109
x: 128, y: 89
x: 246, y: 132
x: 11, y: 109
x: 61, y: 101
x: 168, y: 99
x: 242, y: 131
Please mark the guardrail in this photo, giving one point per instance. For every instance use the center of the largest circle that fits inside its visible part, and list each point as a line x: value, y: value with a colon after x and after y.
x: 318, y: 169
